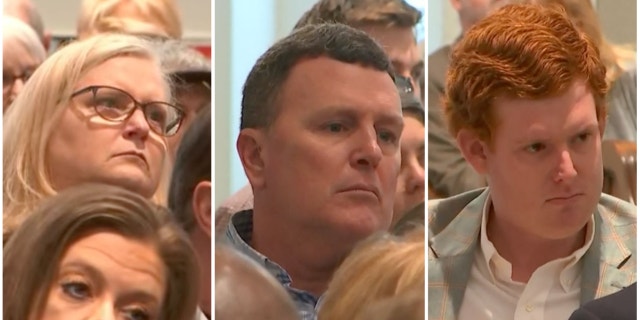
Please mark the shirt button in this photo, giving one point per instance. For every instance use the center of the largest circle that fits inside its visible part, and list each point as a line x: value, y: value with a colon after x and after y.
x: 529, y: 308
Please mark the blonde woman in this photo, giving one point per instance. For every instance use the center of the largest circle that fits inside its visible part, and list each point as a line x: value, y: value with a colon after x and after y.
x: 99, y: 252
x: 380, y: 268
x: 98, y: 110
x: 159, y: 18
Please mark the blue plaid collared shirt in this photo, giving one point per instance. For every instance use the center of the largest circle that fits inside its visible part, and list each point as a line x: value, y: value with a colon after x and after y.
x: 239, y: 233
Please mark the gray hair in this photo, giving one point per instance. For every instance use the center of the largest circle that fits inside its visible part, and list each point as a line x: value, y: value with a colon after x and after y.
x: 26, y: 10
x: 16, y: 30
x: 176, y: 56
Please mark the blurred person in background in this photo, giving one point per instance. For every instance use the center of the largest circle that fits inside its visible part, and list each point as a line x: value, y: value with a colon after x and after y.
x: 27, y: 11
x: 22, y: 53
x: 155, y: 18
x: 245, y: 291
x: 390, y: 22
x: 411, y: 180
x: 190, y: 199
x: 379, y: 268
x: 191, y: 79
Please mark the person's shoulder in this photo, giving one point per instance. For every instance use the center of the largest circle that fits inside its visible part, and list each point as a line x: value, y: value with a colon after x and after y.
x: 447, y: 204
x: 440, y: 212
x: 618, y: 210
x: 618, y: 306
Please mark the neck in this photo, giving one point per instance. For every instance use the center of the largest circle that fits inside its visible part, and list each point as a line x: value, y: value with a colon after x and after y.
x: 309, y: 260
x: 202, y: 245
x: 527, y: 252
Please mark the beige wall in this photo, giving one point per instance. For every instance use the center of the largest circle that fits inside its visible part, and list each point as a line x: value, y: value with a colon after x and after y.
x: 617, y: 18
x: 244, y: 29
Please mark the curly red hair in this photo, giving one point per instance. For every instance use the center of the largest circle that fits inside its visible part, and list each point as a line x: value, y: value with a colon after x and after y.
x: 520, y: 51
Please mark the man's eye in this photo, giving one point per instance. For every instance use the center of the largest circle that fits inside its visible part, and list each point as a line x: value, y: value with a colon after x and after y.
x: 335, y: 127
x: 137, y: 314
x: 388, y: 136
x: 584, y: 136
x: 535, y: 147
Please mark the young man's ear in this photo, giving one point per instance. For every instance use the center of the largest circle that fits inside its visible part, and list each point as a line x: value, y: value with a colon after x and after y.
x: 473, y: 149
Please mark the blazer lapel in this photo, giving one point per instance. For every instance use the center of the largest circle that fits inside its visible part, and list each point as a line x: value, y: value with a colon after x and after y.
x: 451, y: 253
x: 610, y: 264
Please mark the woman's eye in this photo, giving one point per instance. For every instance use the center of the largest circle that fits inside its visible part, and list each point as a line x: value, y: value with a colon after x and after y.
x: 76, y: 290
x: 108, y: 103
x: 137, y: 314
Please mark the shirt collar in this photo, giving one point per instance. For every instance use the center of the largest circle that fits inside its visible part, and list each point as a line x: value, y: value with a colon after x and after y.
x: 239, y: 234
x: 503, y: 267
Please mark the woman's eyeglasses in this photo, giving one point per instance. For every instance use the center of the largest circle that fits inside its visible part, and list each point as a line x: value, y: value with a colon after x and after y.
x: 117, y: 105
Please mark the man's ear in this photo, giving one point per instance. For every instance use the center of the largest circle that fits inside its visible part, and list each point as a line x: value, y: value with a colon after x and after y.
x: 250, y: 146
x: 473, y: 149
x: 201, y: 205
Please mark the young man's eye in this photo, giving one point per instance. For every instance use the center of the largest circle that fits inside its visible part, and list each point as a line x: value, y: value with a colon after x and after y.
x: 335, y: 127
x: 535, y: 147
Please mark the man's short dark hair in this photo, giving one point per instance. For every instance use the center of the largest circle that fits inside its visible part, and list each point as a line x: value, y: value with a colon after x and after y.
x: 396, y: 13
x: 192, y: 166
x: 335, y: 41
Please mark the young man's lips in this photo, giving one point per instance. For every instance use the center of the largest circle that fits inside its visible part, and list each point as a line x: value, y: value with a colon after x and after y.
x: 565, y: 197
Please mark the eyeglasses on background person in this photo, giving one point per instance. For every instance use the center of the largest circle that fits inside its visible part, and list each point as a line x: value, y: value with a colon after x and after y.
x: 403, y: 83
x: 9, y: 79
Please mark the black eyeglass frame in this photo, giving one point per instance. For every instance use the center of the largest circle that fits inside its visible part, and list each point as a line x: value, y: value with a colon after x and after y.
x: 403, y: 83
x: 136, y: 104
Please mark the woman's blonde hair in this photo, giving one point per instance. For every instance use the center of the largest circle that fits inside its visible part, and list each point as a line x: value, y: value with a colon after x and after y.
x: 157, y: 18
x: 379, y: 268
x: 33, y: 254
x: 37, y: 111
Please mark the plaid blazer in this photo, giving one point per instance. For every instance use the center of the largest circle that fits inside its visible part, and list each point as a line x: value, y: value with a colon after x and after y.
x: 453, y: 235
